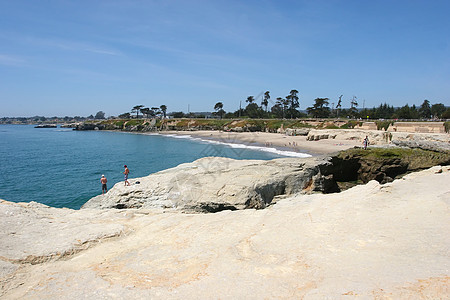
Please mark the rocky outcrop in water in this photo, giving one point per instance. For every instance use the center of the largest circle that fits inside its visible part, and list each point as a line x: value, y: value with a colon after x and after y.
x: 213, y: 184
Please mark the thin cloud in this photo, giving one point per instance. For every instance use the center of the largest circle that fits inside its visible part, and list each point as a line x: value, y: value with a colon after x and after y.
x: 80, y: 46
x: 9, y: 60
x: 67, y: 45
x: 103, y: 51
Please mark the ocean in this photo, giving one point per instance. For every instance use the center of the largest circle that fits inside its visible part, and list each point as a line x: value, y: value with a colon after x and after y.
x: 61, y: 167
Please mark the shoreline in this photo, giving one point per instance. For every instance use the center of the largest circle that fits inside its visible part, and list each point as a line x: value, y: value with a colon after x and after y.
x: 291, y: 146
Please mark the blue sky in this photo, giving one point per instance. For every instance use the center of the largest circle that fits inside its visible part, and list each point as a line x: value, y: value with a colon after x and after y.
x: 79, y: 57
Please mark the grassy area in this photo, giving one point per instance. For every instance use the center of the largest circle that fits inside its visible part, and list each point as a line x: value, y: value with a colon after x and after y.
x: 383, y: 124
x: 134, y: 122
x: 351, y: 124
x: 414, y: 157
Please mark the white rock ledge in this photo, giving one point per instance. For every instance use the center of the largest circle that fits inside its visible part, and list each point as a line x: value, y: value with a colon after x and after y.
x: 373, y: 241
x: 213, y: 184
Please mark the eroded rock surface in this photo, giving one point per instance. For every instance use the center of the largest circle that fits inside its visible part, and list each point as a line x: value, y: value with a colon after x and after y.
x: 428, y: 141
x: 33, y: 233
x: 372, y: 241
x: 213, y: 184
x: 383, y: 164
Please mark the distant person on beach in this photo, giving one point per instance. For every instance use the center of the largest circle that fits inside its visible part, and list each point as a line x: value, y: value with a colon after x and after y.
x: 126, y: 172
x: 366, y: 142
x: 103, y: 180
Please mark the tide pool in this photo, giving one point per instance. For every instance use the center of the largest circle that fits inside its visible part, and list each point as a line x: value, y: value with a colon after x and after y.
x: 62, y: 168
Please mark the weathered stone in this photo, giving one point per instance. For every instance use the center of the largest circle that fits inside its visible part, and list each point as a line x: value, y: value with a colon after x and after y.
x: 371, y: 241
x: 297, y: 131
x: 26, y: 226
x: 237, y: 129
x: 215, y: 183
x: 383, y: 165
x: 426, y: 141
x: 437, y: 146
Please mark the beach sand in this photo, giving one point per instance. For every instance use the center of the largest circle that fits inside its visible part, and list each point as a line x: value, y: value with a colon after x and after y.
x: 275, y: 140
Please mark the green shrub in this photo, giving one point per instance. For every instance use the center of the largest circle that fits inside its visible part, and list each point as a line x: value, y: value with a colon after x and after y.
x: 119, y: 123
x: 383, y: 124
x: 351, y: 124
x: 447, y: 126
x: 134, y: 122
x: 331, y: 126
x: 348, y: 125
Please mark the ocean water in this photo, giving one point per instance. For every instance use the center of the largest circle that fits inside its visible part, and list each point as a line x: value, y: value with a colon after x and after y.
x: 62, y: 167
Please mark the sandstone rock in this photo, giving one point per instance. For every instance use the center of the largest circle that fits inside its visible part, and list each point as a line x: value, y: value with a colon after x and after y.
x: 28, y: 227
x: 297, y: 131
x: 433, y: 146
x: 372, y: 241
x: 213, y: 184
x: 426, y: 141
x: 237, y: 129
x: 383, y: 164
x: 375, y: 137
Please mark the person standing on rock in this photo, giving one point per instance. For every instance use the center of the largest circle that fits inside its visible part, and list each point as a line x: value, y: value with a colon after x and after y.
x: 103, y: 180
x: 366, y: 142
x: 126, y: 172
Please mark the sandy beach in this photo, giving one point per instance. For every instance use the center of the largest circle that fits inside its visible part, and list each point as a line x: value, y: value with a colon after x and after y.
x: 275, y: 140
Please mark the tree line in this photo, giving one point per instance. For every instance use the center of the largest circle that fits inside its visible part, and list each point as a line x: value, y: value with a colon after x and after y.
x: 288, y: 107
x: 146, y: 112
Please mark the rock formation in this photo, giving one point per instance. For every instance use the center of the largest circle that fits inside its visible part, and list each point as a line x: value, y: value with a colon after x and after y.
x: 426, y: 141
x: 383, y: 164
x: 371, y: 242
x: 213, y: 184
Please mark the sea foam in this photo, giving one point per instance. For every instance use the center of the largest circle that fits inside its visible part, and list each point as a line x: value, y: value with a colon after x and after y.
x: 242, y: 146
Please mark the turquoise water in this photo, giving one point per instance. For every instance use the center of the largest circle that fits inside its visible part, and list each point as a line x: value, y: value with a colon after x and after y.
x: 62, y: 168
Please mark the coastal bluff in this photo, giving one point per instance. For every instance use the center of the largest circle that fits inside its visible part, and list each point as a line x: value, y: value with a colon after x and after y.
x: 372, y: 241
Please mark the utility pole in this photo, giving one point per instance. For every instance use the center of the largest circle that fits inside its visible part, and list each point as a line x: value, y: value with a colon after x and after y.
x: 240, y: 107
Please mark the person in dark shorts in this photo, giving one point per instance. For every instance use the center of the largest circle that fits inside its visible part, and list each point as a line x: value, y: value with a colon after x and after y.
x: 126, y: 172
x: 103, y: 180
